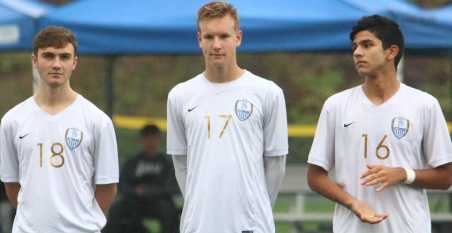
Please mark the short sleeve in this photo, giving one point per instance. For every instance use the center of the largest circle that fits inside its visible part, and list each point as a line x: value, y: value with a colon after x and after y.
x: 436, y: 139
x: 9, y: 163
x: 175, y: 134
x: 106, y: 153
x: 275, y: 125
x: 322, y: 149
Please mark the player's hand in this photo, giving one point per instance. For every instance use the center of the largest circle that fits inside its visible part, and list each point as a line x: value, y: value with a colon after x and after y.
x: 367, y: 214
x: 382, y: 176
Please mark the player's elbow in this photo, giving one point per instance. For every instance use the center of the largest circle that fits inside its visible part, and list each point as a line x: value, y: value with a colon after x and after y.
x: 448, y: 176
x: 445, y: 185
x: 449, y: 183
x: 315, y: 175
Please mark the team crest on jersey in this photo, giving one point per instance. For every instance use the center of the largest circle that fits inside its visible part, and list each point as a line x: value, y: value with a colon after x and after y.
x: 73, y: 138
x: 400, y: 127
x: 243, y: 109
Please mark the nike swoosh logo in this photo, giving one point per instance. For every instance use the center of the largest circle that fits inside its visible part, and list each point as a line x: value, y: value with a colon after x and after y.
x: 191, y: 109
x: 348, y: 124
x: 21, y: 137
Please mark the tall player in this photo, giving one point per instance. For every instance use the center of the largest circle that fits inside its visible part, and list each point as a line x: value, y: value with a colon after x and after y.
x: 227, y: 132
x: 387, y: 142
x: 58, y: 151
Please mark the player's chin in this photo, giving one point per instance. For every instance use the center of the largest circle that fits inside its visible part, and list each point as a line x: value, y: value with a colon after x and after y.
x: 217, y: 62
x: 362, y: 71
x: 55, y: 82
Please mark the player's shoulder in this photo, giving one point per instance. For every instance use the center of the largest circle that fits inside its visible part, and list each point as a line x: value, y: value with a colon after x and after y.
x: 19, y: 112
x: 419, y: 97
x: 261, y: 83
x: 91, y: 111
x: 260, y: 86
x: 186, y: 87
x: 341, y: 97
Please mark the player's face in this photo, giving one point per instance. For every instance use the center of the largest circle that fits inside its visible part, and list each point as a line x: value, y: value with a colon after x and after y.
x: 368, y: 54
x: 219, y: 39
x: 55, y: 65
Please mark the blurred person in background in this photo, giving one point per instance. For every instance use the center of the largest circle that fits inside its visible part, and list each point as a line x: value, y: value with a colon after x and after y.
x: 58, y: 151
x: 227, y: 133
x: 387, y: 142
x: 147, y: 186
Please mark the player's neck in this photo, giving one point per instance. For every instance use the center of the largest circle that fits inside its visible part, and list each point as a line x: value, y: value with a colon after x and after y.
x: 381, y: 87
x: 223, y: 74
x: 54, y: 100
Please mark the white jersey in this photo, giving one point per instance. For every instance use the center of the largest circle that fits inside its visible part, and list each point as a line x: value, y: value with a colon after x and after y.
x: 407, y: 130
x: 58, y: 160
x: 226, y: 130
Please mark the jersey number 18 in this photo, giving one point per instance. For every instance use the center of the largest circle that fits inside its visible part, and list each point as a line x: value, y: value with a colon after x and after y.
x: 57, y: 154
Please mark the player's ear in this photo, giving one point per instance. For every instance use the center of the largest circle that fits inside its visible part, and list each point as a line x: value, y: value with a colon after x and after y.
x: 393, y: 51
x: 74, y: 65
x: 198, y: 36
x: 239, y: 36
x: 34, y: 58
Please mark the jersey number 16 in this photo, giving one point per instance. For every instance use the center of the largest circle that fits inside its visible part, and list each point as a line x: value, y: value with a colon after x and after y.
x: 382, y: 151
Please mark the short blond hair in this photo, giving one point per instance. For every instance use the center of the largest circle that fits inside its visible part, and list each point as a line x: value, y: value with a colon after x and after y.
x: 218, y: 9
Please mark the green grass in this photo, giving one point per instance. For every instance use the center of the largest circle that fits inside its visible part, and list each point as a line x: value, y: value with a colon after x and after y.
x: 316, y: 204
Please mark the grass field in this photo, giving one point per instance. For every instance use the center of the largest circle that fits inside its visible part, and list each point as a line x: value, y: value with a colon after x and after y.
x: 438, y: 203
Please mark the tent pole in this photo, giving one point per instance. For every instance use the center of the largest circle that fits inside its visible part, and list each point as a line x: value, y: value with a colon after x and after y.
x: 35, y: 78
x: 449, y: 80
x: 109, y: 84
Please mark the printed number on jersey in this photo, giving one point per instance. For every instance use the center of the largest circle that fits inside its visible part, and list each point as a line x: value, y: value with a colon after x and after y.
x: 227, y: 118
x: 382, y: 151
x: 56, y: 158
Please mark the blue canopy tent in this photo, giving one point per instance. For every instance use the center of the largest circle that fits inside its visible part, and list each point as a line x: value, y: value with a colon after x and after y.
x: 444, y: 16
x: 18, y: 23
x: 144, y: 27
x: 112, y: 27
x: 425, y: 31
x: 155, y: 27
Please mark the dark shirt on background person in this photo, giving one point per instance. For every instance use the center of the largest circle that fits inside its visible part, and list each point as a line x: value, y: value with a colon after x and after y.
x: 147, y: 185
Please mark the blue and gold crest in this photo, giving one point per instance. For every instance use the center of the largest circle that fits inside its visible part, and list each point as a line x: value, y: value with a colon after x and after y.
x: 400, y: 127
x: 73, y: 138
x: 243, y: 109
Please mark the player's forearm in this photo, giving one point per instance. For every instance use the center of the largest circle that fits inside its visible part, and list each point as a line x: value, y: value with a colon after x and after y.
x: 275, y: 168
x: 434, y: 178
x: 180, y: 171
x: 320, y: 182
x: 105, y: 194
x: 12, y: 191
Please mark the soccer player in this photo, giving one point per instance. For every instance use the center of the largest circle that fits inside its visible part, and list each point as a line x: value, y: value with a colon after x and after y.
x: 386, y: 142
x: 58, y: 151
x: 227, y: 132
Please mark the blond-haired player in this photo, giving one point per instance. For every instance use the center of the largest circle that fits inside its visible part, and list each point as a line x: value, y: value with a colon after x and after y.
x: 227, y: 132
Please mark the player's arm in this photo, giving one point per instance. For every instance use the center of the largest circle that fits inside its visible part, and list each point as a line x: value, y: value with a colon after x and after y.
x: 320, y: 182
x: 105, y: 194
x: 437, y: 147
x: 433, y: 178
x: 180, y: 171
x: 275, y: 168
x: 12, y: 191
x: 275, y: 141
x: 176, y: 143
